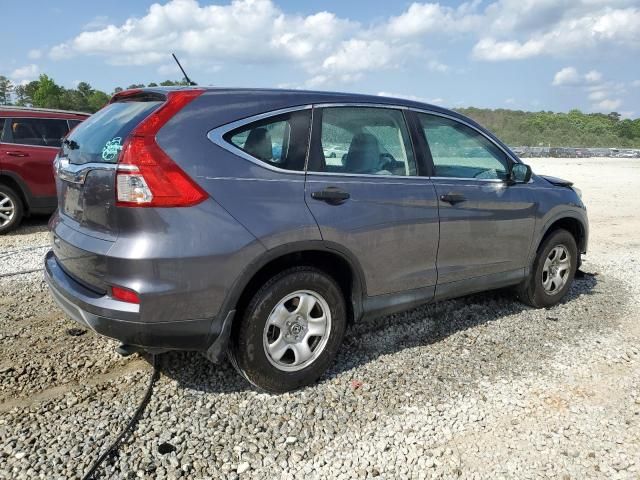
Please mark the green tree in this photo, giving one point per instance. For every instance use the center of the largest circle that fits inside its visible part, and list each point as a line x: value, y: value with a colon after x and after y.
x: 48, y: 94
x: 97, y: 100
x: 6, y: 87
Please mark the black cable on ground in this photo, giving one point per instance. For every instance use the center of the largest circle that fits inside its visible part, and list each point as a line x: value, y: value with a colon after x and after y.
x: 22, y: 272
x: 19, y: 250
x: 136, y: 416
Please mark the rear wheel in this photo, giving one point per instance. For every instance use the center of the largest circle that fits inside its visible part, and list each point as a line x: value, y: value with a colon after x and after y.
x: 11, y: 209
x: 290, y: 331
x: 553, y: 271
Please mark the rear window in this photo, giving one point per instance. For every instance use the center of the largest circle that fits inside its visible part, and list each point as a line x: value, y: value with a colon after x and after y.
x: 99, y: 139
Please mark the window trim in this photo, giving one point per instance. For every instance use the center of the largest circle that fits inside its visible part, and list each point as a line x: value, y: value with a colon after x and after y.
x: 217, y: 134
x: 8, y: 129
x: 420, y: 146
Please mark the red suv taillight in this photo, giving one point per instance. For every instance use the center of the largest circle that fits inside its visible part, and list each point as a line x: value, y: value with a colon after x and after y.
x: 147, y: 176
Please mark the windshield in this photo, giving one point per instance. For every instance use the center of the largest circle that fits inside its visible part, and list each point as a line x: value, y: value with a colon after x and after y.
x: 100, y: 138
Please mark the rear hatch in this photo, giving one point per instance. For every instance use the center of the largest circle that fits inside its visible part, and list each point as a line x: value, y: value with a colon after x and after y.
x: 86, y: 169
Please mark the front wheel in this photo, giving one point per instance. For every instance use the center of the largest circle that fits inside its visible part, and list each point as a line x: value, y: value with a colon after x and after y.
x: 291, y: 330
x: 553, y: 271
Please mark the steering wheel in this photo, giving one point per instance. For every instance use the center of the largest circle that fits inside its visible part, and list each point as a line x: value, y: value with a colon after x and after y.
x: 386, y: 159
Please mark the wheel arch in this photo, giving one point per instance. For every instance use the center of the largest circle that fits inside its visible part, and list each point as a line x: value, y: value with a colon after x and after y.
x: 573, y: 225
x: 332, y: 259
x: 16, y: 184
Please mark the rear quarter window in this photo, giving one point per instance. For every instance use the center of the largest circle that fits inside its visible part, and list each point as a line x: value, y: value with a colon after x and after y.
x: 99, y: 138
x: 280, y: 141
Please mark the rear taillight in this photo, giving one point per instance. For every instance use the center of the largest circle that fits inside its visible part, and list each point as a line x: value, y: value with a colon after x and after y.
x: 124, y: 295
x: 147, y: 177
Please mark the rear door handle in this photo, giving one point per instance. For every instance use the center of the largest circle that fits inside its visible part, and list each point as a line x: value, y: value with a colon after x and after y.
x: 453, y: 198
x: 331, y: 195
x: 17, y: 153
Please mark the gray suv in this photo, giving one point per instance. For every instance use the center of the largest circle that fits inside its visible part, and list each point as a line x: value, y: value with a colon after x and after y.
x: 262, y: 222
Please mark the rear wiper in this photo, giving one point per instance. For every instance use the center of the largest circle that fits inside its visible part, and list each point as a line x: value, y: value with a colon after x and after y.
x: 72, y: 144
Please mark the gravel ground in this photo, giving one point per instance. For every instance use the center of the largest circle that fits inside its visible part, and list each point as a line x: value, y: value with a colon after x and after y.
x: 480, y: 387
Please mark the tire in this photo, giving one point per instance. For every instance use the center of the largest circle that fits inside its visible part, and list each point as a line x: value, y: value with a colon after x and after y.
x: 10, y: 206
x: 543, y: 289
x: 275, y: 321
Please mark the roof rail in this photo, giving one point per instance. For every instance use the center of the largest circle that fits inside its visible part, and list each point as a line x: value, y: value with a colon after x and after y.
x: 37, y: 109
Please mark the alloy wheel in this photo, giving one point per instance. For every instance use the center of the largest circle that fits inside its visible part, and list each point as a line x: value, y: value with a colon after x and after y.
x: 7, y: 209
x: 555, y: 271
x: 297, y: 330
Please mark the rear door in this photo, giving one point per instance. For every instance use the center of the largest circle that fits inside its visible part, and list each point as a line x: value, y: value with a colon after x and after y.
x: 363, y: 188
x: 486, y: 225
x: 29, y: 146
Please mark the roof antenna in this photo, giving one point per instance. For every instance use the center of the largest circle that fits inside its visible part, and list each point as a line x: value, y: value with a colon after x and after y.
x: 186, y: 77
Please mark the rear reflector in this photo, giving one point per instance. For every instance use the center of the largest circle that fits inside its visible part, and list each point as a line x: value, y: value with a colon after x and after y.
x: 147, y: 176
x: 124, y: 295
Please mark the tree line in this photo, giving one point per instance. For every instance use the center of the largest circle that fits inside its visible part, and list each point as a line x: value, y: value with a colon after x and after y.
x: 514, y: 127
x: 46, y: 93
x: 572, y: 129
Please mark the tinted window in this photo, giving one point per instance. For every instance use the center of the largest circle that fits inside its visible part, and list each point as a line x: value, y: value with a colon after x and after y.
x: 460, y: 151
x: 365, y: 140
x: 36, y: 131
x: 280, y: 141
x: 100, y: 137
x: 74, y: 123
x: 2, y: 122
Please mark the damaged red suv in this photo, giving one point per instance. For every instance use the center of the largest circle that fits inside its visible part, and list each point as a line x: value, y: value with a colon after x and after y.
x: 29, y: 141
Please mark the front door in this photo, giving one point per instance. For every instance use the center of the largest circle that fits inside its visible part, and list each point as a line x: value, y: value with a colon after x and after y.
x: 363, y: 188
x: 486, y: 225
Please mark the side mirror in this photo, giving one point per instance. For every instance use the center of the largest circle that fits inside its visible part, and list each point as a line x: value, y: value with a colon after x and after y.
x: 520, y: 173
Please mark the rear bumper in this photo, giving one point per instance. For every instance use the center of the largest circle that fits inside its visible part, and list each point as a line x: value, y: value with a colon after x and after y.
x: 120, y: 320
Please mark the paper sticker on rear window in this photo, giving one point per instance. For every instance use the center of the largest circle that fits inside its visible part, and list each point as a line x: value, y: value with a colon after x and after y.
x: 112, y: 149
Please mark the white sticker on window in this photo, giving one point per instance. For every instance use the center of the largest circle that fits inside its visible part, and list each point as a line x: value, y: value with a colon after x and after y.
x: 112, y: 149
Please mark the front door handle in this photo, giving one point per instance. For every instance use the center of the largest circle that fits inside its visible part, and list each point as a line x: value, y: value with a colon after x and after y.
x: 331, y: 195
x: 453, y: 198
x: 17, y: 153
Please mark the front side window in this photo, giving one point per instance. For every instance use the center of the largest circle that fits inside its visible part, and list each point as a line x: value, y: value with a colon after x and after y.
x: 2, y: 122
x: 40, y: 132
x: 280, y: 141
x: 364, y: 140
x: 459, y: 151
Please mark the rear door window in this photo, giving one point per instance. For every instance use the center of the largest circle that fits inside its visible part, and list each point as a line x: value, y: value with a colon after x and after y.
x: 40, y: 132
x: 366, y: 141
x: 100, y: 138
x: 280, y: 141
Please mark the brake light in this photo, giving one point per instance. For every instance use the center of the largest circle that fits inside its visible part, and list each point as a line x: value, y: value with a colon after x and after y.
x: 124, y: 295
x: 147, y: 176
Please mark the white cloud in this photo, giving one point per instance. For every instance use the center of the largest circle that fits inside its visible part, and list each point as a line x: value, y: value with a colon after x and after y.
x: 593, y: 76
x: 570, y: 76
x: 28, y: 72
x: 635, y: 83
x: 567, y: 76
x: 436, y: 66
x: 593, y: 28
x: 34, y: 54
x: 423, y: 18
x: 608, y: 105
x: 602, y: 94
x: 330, y: 49
x: 96, y: 23
x: 360, y: 55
